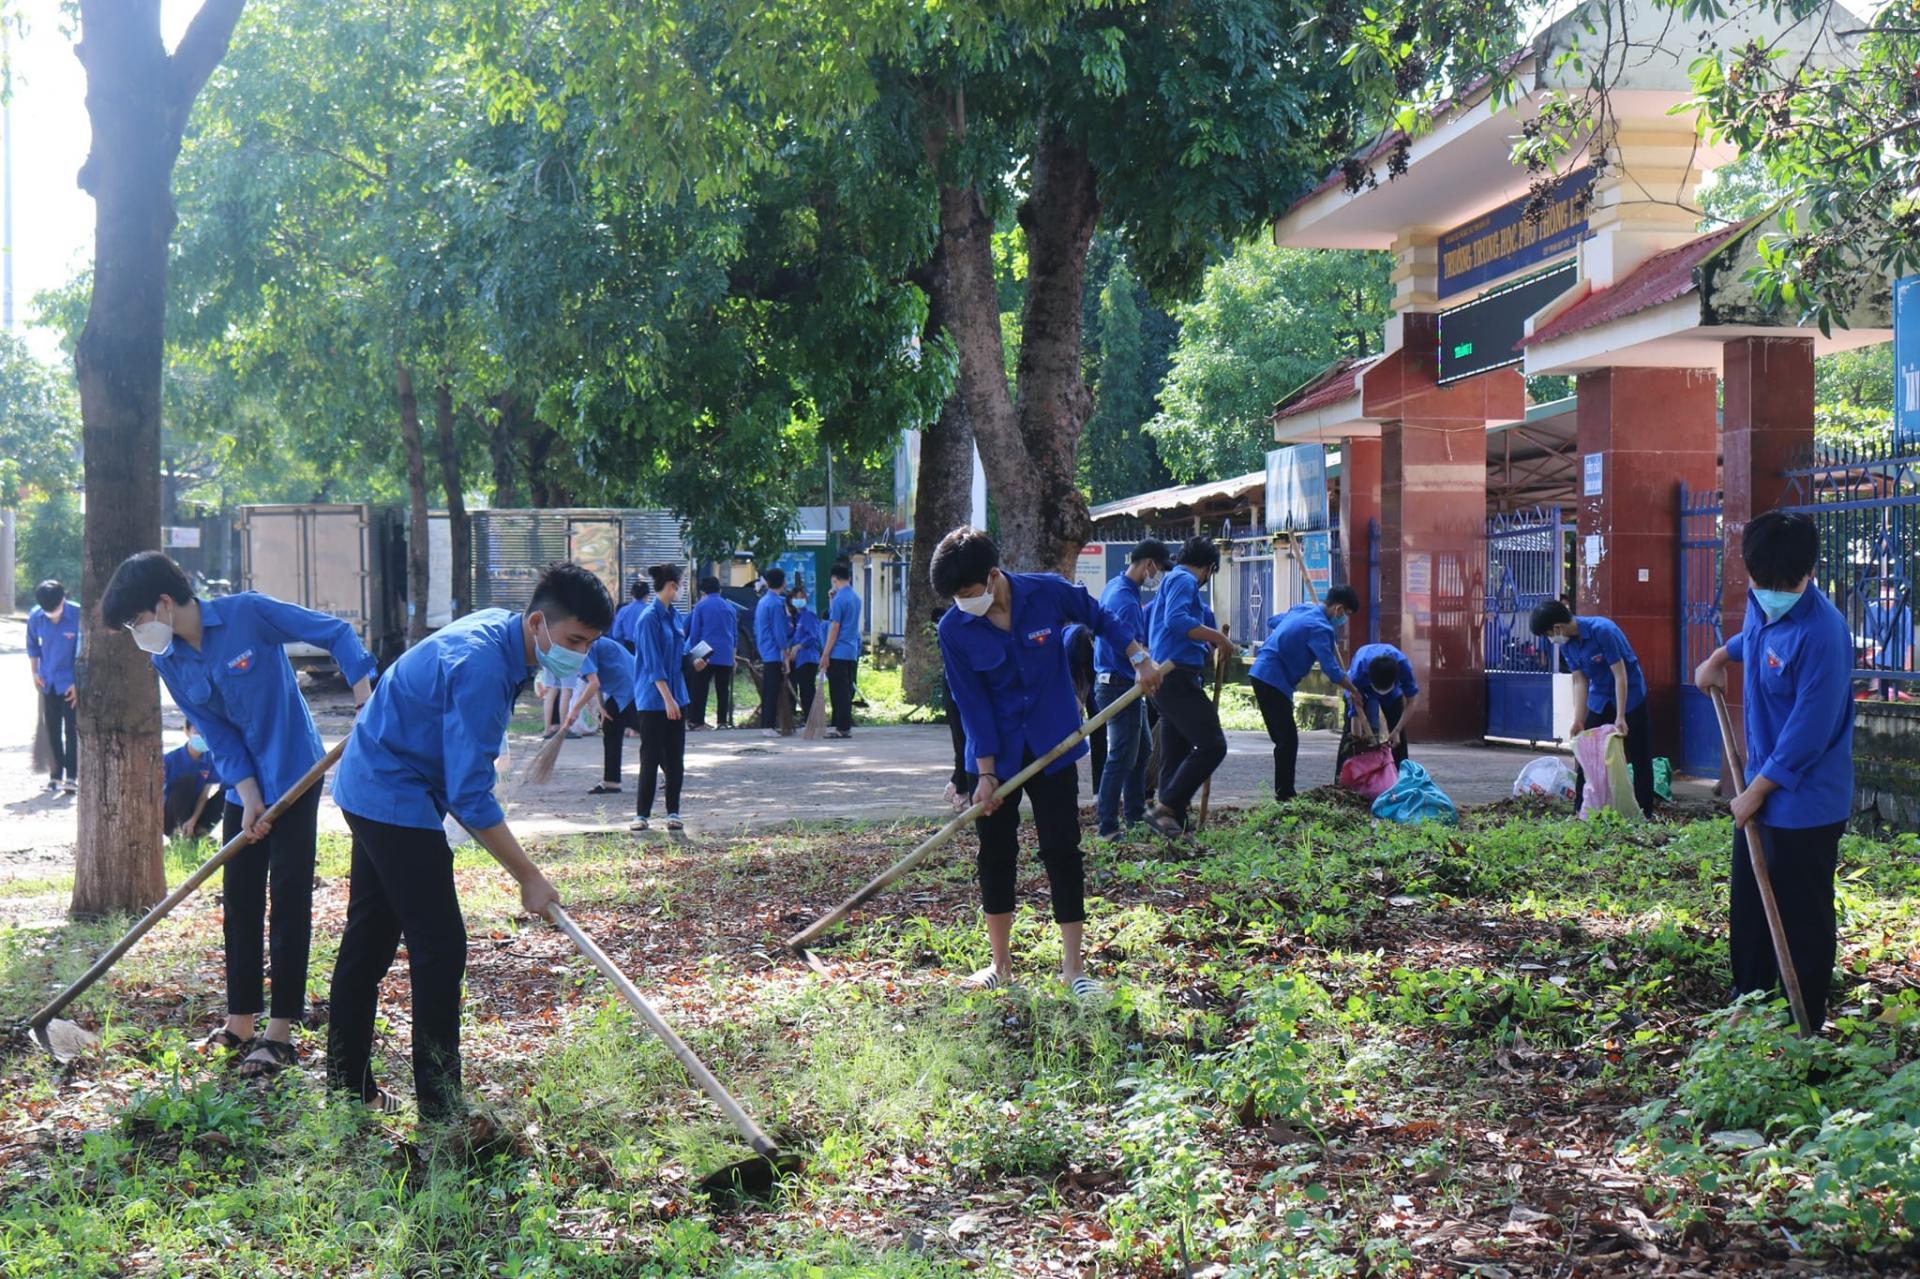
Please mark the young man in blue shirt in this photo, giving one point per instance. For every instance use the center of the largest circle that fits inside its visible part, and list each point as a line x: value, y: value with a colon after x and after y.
x: 659, y: 699
x: 1124, y: 777
x: 1191, y: 743
x: 53, y: 640
x: 807, y: 648
x: 1006, y: 664
x: 1608, y: 687
x: 1296, y: 640
x: 628, y: 617
x: 843, y: 648
x: 1384, y: 678
x: 189, y: 779
x: 714, y: 622
x: 773, y: 637
x: 424, y: 748
x: 609, y: 672
x: 225, y: 663
x: 1797, y: 700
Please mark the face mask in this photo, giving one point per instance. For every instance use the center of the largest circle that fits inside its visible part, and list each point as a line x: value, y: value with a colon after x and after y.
x: 799, y: 601
x: 1775, y: 603
x: 1340, y: 622
x: 1556, y: 640
x: 154, y: 637
x: 974, y: 605
x: 559, y: 663
x: 197, y: 744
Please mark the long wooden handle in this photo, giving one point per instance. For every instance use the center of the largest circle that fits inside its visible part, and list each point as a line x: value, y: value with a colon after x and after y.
x: 873, y: 886
x: 736, y: 1115
x: 185, y: 890
x: 1756, y: 855
x: 1219, y: 678
x: 1313, y: 592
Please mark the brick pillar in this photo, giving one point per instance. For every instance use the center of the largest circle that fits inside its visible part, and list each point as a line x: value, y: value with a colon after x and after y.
x: 1653, y: 429
x: 1359, y: 503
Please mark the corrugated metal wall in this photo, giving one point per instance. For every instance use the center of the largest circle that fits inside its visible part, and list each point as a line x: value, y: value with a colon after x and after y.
x: 512, y: 547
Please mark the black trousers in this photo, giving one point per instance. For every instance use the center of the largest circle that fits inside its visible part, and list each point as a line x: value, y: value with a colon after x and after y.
x: 805, y: 677
x: 1055, y: 799
x: 1639, y: 753
x: 285, y: 857
x: 1191, y: 743
x: 1096, y: 743
x: 63, y: 735
x: 402, y: 886
x: 663, y: 748
x: 842, y: 673
x: 721, y: 678
x: 181, y: 797
x: 613, y: 740
x: 1801, y: 864
x: 773, y: 687
x: 1276, y: 711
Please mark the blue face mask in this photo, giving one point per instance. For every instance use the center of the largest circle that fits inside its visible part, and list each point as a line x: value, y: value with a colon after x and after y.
x: 1340, y: 622
x: 197, y: 744
x: 559, y: 663
x: 1775, y: 603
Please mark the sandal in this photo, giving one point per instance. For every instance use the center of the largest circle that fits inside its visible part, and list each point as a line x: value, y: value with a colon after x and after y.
x: 223, y: 1039
x: 604, y: 789
x: 280, y: 1054
x: 987, y: 978
x: 1085, y: 987
x: 1166, y: 824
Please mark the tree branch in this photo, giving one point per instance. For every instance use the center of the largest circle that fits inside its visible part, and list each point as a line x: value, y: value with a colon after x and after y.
x: 201, y: 49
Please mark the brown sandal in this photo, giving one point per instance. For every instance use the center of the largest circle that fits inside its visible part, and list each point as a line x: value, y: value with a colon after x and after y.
x: 223, y: 1040
x: 280, y: 1055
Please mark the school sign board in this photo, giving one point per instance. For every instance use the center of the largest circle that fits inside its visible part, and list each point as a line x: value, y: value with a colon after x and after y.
x: 1504, y: 240
x: 1297, y: 489
x: 1906, y: 362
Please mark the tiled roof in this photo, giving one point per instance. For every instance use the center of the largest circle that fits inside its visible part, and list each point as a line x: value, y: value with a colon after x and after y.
x: 1660, y: 279
x: 1336, y: 383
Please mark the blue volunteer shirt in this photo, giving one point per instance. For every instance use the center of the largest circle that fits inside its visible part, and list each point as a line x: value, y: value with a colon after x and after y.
x: 771, y: 631
x: 715, y: 621
x: 425, y: 744
x: 239, y: 689
x: 844, y: 608
x: 1296, y: 639
x: 1012, y: 689
x: 1177, y: 609
x: 179, y: 765
x: 807, y: 638
x: 54, y: 644
x: 613, y: 664
x: 1797, y: 684
x: 657, y: 656
x: 1890, y: 631
x: 1121, y: 599
x: 1593, y: 652
x: 1405, y: 685
x: 626, y: 621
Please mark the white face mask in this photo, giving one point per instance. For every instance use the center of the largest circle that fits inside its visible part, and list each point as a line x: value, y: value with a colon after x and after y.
x: 156, y: 636
x: 974, y: 605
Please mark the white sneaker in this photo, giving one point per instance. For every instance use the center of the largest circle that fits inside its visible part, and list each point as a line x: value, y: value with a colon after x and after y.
x: 772, y: 732
x: 71, y: 785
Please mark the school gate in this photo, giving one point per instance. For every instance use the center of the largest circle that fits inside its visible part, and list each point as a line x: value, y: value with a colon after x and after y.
x: 1526, y: 556
x: 1702, y: 572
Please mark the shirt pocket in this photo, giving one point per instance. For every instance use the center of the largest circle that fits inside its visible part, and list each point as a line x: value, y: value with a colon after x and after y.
x: 1777, y: 662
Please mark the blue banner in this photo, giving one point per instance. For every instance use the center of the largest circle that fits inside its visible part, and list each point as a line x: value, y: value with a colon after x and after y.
x: 1297, y: 489
x: 1504, y: 240
x: 1906, y: 362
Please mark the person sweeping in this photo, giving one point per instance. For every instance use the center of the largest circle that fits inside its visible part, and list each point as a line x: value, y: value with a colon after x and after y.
x: 1796, y: 655
x: 660, y: 699
x: 425, y: 747
x: 1191, y: 743
x: 609, y: 672
x: 224, y: 662
x: 1002, y: 647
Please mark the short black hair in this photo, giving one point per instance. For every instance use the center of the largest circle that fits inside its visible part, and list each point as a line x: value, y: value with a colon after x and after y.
x: 965, y: 557
x: 1154, y: 551
x: 1548, y: 614
x: 1780, y: 548
x: 569, y: 591
x: 49, y: 595
x: 138, y: 584
x: 843, y: 572
x: 775, y: 578
x: 709, y: 585
x: 662, y: 574
x: 1383, y: 672
x: 1199, y: 552
x: 1346, y: 597
x: 639, y: 588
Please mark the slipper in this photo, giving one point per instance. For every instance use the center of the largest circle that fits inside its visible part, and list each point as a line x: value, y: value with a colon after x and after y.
x: 223, y: 1039
x: 1166, y: 824
x: 604, y: 789
x: 987, y: 978
x: 280, y: 1054
x: 1085, y: 987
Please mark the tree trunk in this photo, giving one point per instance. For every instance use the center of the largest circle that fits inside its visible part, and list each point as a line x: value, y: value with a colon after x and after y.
x: 502, y: 442
x: 459, y: 525
x: 1028, y: 447
x: 943, y: 501
x: 418, y: 557
x: 137, y: 102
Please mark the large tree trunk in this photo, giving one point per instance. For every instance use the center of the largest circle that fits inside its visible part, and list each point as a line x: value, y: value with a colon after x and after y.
x: 943, y: 500
x: 1028, y: 446
x: 459, y: 525
x: 503, y: 443
x: 137, y: 102
x: 419, y: 558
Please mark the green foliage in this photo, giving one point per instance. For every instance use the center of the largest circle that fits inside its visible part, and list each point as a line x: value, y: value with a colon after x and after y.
x: 39, y: 425
x: 51, y: 538
x: 1117, y: 455
x: 1266, y: 321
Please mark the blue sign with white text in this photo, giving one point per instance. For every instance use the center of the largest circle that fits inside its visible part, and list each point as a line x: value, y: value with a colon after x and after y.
x: 1504, y: 240
x: 1906, y: 362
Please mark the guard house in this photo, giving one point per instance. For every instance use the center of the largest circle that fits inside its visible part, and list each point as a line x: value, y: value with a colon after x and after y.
x: 1485, y: 504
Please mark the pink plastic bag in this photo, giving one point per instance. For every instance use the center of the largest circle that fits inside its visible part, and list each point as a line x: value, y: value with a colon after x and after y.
x: 1602, y: 755
x: 1370, y: 773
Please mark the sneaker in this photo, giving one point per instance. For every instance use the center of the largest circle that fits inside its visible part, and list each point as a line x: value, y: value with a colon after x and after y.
x: 53, y: 786
x: 839, y: 734
x: 640, y: 823
x: 674, y: 822
x: 771, y: 732
x: 70, y: 786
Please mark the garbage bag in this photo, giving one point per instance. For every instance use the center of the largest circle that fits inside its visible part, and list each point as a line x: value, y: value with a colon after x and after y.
x: 1663, y: 777
x: 1415, y: 798
x: 1370, y: 773
x: 1609, y: 780
x: 1545, y: 776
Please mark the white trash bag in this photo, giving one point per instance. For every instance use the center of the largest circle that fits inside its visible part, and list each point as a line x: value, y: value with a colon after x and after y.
x: 1545, y: 776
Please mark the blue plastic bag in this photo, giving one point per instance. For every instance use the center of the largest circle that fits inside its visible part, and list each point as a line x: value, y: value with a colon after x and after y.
x: 1415, y: 798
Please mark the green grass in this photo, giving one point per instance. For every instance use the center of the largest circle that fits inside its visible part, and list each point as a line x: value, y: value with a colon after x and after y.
x: 1324, y: 1042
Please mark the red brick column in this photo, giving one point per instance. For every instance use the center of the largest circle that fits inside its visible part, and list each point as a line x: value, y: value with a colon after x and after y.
x: 1359, y: 503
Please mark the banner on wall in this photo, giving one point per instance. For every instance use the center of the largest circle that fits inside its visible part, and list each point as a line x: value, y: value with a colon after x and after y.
x: 1906, y: 362
x: 1297, y: 489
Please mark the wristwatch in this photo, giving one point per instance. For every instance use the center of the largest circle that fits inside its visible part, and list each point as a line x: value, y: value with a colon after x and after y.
x: 1139, y: 658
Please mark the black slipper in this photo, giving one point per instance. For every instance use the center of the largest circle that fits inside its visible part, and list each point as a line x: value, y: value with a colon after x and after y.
x: 280, y: 1055
x: 604, y: 789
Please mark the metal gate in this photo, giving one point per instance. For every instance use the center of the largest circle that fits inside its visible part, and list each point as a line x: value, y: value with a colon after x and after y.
x: 1525, y: 565
x: 1702, y: 569
x: 1373, y: 581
